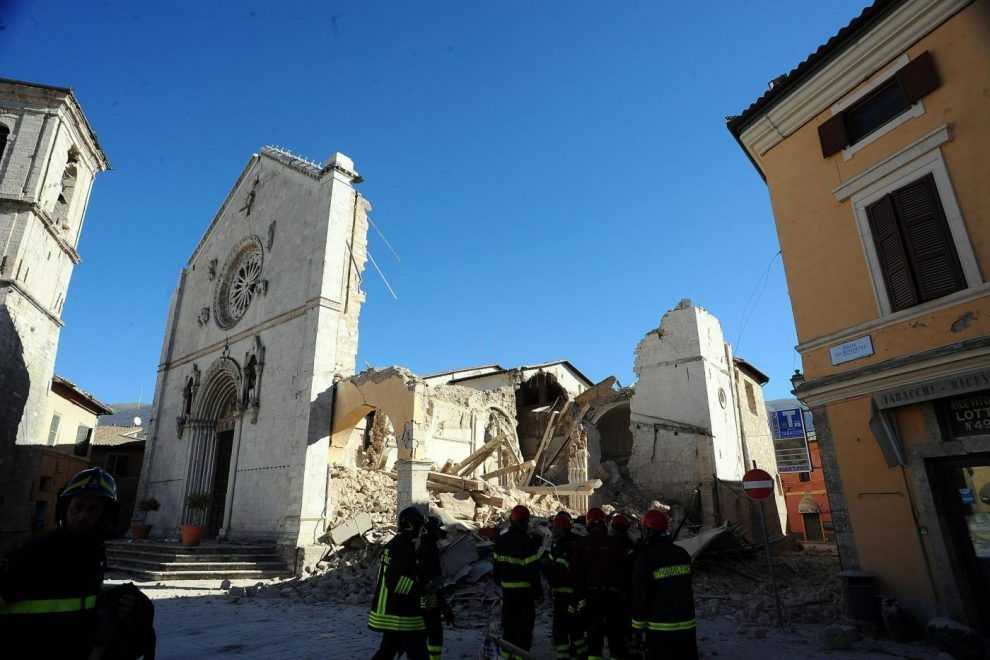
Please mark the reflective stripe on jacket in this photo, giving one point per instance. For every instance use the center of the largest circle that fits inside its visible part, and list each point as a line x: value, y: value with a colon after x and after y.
x: 663, y: 598
x: 397, y: 606
x: 517, y: 559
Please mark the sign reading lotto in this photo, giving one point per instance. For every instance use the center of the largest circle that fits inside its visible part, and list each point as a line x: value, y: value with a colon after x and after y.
x: 758, y: 484
x: 968, y: 415
x: 790, y: 440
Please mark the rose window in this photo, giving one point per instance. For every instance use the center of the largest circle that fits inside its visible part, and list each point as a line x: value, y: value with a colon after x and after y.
x: 240, y: 282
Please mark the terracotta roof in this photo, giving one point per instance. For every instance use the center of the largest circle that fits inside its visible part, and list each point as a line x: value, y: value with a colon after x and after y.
x: 114, y: 436
x: 752, y: 371
x: 785, y: 84
x: 82, y: 397
x: 530, y: 367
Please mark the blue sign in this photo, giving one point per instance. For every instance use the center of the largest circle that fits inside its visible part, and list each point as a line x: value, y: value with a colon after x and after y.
x: 787, y: 424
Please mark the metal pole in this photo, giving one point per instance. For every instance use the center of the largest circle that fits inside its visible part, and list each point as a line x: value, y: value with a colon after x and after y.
x: 773, y: 579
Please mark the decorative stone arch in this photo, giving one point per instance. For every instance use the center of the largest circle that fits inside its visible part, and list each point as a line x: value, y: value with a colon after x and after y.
x: 216, y: 409
x: 221, y: 382
x: 383, y: 393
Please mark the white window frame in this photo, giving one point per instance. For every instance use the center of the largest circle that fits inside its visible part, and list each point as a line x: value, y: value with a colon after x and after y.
x: 916, y: 160
x: 915, y: 110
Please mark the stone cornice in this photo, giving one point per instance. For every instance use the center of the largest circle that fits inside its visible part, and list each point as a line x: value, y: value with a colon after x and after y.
x: 934, y: 363
x: 904, y: 27
x: 13, y: 284
x: 46, y: 222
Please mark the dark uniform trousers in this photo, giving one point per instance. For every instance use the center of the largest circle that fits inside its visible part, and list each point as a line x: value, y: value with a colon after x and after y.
x: 568, y: 631
x: 517, y: 571
x: 434, y: 632
x: 396, y: 611
x: 607, y: 622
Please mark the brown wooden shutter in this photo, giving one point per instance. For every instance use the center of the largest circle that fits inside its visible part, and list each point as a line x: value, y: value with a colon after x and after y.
x: 894, y: 265
x: 929, y: 243
x: 918, y: 78
x: 833, y: 135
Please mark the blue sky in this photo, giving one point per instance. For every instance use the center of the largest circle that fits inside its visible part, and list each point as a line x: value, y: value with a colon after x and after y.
x: 553, y: 175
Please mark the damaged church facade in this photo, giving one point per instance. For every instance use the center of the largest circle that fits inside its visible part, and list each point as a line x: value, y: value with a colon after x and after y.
x: 257, y: 398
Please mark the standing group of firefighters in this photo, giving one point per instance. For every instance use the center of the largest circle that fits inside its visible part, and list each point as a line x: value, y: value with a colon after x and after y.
x: 634, y: 595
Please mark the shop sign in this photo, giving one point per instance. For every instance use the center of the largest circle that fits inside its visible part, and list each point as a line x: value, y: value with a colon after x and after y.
x: 968, y: 415
x: 790, y: 440
x: 851, y: 350
x: 934, y: 389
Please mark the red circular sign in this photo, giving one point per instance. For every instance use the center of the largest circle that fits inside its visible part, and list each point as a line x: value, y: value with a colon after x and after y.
x: 758, y: 484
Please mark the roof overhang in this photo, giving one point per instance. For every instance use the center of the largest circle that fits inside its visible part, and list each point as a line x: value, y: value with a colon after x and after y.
x: 879, y: 34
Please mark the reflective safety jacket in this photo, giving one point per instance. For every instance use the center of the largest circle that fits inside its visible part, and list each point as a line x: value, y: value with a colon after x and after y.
x: 663, y: 599
x: 561, y: 564
x: 48, y: 593
x: 517, y: 568
x: 396, y: 606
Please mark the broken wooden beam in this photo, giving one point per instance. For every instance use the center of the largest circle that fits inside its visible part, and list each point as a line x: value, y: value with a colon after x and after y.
x: 582, y: 488
x: 545, y: 440
x: 601, y: 390
x: 508, y: 470
x: 476, y: 458
x: 454, y: 481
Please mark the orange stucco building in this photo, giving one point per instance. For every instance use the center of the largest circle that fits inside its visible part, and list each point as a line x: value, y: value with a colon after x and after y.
x: 875, y: 151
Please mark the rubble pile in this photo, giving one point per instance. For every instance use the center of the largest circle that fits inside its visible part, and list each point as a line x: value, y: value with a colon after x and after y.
x: 738, y: 587
x: 356, y: 490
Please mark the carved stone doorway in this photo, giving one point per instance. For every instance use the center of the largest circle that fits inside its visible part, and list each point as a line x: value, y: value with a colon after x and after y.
x: 221, y: 479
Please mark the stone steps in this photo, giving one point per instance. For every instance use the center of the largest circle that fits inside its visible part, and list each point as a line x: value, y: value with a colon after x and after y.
x: 154, y: 561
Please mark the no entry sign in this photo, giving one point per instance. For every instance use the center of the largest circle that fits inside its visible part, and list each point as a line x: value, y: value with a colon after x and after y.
x: 758, y: 484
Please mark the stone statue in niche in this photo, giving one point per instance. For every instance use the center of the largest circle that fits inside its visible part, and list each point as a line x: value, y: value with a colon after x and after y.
x: 577, y: 448
x: 254, y: 366
x: 213, y: 269
x: 204, y: 316
x: 271, y: 234
x: 188, y: 397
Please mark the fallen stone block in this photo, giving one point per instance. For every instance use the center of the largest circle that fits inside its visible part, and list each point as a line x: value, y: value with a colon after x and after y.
x: 459, y: 505
x: 353, y: 526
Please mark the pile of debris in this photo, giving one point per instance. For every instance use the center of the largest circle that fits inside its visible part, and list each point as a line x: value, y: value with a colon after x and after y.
x: 736, y: 584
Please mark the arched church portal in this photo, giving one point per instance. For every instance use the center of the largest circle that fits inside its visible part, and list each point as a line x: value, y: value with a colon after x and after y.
x: 216, y: 416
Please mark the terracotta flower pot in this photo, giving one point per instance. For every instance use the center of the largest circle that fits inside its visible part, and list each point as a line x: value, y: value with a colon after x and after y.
x: 140, y: 531
x: 191, y: 534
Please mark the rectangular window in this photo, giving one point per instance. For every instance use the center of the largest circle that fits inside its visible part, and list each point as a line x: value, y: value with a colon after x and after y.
x: 917, y: 256
x: 40, y: 515
x: 750, y: 397
x: 875, y: 110
x: 83, y: 435
x: 53, y: 430
x: 804, y: 476
x: 892, y: 98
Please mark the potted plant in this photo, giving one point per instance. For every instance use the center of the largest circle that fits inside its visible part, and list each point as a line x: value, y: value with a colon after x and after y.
x: 139, y: 530
x: 198, y: 504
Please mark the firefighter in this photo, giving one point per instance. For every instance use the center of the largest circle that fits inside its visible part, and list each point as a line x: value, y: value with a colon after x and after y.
x: 663, y: 601
x: 51, y: 589
x: 517, y: 571
x: 620, y: 604
x: 603, y: 581
x: 560, y: 565
x: 435, y: 608
x: 396, y: 610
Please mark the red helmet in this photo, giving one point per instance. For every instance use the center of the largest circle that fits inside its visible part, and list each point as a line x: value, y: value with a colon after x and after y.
x: 620, y: 522
x: 656, y: 520
x: 519, y: 514
x: 595, y: 515
x: 562, y: 520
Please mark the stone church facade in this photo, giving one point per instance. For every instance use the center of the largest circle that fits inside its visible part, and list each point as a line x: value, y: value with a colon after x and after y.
x: 264, y: 318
